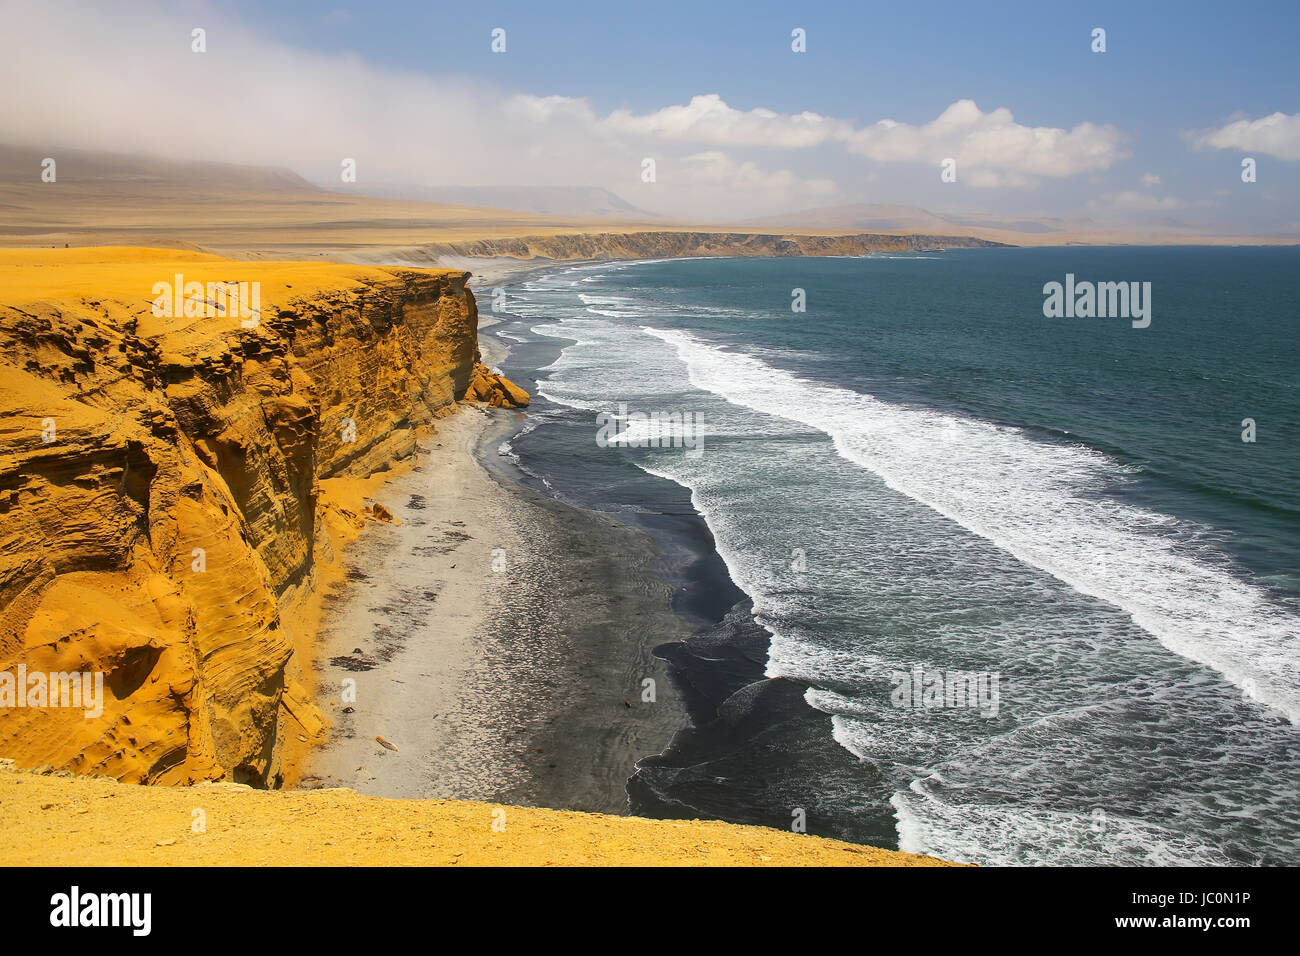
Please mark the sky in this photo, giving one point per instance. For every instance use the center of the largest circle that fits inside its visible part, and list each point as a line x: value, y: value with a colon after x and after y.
x: 1152, y: 132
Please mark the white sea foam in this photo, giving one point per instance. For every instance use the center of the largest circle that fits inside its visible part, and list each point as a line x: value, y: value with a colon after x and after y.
x: 1004, y: 835
x: 904, y: 554
x: 1039, y: 502
x: 613, y: 306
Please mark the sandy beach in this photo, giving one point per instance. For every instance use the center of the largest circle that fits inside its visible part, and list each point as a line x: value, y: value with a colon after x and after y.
x: 498, y: 640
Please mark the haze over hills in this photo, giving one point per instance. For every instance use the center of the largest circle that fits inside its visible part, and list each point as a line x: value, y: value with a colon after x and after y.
x: 21, y: 168
x: 100, y: 198
x: 859, y: 217
x: 883, y: 217
x: 260, y: 212
x: 588, y: 202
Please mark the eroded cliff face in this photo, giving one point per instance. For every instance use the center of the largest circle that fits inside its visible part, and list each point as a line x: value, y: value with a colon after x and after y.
x: 159, y: 484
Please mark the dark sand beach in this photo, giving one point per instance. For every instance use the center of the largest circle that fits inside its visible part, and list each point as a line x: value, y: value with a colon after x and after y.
x: 498, y: 639
x: 531, y: 688
x: 528, y: 688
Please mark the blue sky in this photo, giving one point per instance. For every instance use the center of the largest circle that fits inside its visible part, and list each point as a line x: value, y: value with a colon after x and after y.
x: 580, y: 96
x: 1166, y: 64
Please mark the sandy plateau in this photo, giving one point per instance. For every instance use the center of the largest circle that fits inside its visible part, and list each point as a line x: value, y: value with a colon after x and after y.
x: 50, y: 821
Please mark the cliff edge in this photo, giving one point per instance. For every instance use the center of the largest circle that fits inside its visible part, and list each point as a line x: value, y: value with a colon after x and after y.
x: 81, y: 822
x: 168, y: 419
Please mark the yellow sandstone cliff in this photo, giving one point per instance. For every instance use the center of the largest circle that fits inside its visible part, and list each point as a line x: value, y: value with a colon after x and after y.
x: 160, y: 486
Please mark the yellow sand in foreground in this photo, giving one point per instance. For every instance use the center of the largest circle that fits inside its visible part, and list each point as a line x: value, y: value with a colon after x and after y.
x: 128, y: 274
x: 62, y: 821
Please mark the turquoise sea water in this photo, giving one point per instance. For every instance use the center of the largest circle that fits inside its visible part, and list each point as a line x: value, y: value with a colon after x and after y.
x: 922, y: 475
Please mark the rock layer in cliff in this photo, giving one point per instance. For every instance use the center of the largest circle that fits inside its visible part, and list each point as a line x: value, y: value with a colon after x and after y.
x: 159, y: 485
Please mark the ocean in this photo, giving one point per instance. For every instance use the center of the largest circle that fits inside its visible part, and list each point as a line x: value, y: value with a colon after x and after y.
x: 971, y: 581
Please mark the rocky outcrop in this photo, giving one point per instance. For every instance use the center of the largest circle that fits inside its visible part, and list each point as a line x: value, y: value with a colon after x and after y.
x: 158, y: 489
x: 494, y: 389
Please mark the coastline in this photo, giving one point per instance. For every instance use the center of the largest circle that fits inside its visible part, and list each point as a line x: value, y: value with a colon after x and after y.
x: 459, y: 705
x: 498, y: 644
x: 754, y: 745
x: 748, y: 747
x: 530, y: 688
x: 543, y: 661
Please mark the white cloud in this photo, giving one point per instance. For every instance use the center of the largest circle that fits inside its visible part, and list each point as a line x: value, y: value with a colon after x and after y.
x: 715, y: 168
x: 992, y: 147
x: 708, y: 119
x: 1002, y: 151
x: 1150, y: 179
x: 550, y: 109
x: 1277, y: 135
